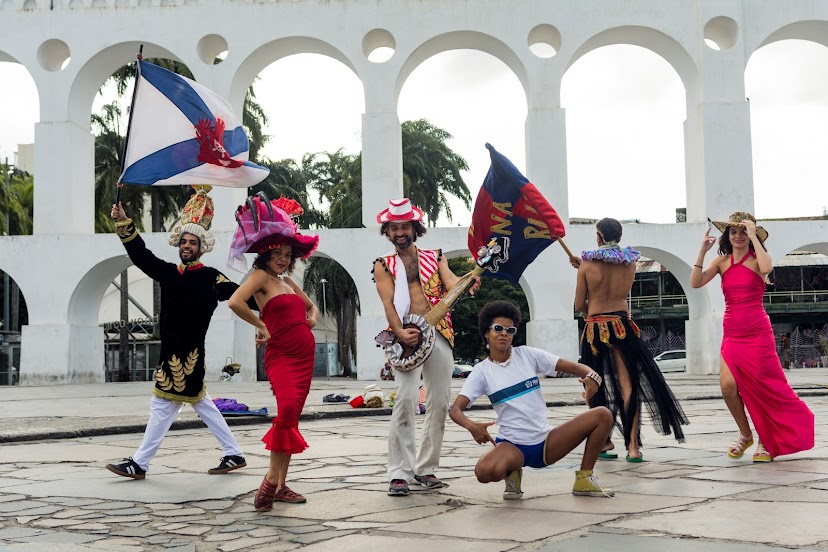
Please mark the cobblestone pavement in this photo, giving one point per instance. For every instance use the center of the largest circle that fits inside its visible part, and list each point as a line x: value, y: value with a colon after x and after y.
x: 55, y: 495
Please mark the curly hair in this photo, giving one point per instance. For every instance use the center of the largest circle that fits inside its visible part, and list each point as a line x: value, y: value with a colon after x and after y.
x: 495, y: 309
x: 609, y: 229
x: 418, y: 227
x: 261, y: 260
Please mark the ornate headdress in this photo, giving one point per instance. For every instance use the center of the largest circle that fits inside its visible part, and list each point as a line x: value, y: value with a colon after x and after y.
x: 196, y: 218
x: 737, y: 219
x: 267, y: 224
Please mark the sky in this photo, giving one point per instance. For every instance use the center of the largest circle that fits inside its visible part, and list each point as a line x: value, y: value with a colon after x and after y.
x: 625, y: 109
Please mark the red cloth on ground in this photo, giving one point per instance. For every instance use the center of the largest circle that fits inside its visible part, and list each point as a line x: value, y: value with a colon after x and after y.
x: 289, y: 366
x: 784, y: 423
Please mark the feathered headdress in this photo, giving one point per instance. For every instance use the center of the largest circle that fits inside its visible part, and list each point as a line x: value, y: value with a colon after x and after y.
x: 265, y: 224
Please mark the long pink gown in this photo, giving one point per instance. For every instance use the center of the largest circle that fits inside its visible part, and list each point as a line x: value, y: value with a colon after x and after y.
x: 784, y: 423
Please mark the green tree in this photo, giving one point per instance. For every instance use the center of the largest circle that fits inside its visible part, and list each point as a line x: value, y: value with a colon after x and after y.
x: 431, y: 170
x: 16, y: 201
x: 467, y: 340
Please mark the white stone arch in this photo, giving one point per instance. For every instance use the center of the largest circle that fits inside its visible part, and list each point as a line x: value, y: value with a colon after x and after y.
x: 654, y: 40
x: 85, y: 302
x: 462, y: 40
x: 811, y: 30
x: 98, y: 68
x: 273, y: 51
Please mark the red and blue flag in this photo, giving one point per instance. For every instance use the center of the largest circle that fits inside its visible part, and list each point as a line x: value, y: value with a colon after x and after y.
x: 183, y: 133
x: 511, y: 206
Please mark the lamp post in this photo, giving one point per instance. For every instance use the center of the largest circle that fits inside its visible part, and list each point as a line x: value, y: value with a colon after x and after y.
x: 323, y: 281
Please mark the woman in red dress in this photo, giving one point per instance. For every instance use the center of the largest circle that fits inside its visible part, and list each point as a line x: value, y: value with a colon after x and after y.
x: 750, y: 373
x: 287, y: 316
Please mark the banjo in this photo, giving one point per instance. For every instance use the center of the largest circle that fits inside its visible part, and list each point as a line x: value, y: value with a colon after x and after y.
x: 405, y: 358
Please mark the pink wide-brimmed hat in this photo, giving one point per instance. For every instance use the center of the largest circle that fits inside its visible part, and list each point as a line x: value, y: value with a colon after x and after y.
x: 400, y: 210
x: 267, y: 224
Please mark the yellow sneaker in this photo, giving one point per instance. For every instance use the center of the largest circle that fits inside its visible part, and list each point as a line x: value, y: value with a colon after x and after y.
x: 512, y: 491
x: 587, y: 484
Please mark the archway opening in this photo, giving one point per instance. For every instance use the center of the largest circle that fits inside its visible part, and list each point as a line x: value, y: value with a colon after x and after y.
x: 312, y: 107
x: 473, y: 97
x: 15, y: 315
x: 19, y: 111
x: 787, y: 84
x: 625, y: 108
x: 797, y: 305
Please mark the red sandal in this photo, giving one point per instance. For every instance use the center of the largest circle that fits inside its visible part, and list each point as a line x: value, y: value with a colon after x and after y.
x: 264, y: 497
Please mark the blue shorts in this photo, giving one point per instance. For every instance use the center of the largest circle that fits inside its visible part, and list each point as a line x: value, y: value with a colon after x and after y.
x: 533, y: 455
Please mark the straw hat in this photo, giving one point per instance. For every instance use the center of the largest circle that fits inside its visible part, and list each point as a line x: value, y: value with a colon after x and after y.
x: 736, y: 219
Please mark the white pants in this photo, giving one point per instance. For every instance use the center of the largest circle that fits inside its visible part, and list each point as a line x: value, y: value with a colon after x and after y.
x: 162, y: 415
x: 402, y: 444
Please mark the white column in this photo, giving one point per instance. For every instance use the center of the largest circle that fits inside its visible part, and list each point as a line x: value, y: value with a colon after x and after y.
x: 64, y: 192
x: 550, y: 280
x: 54, y: 354
x: 381, y: 164
x: 546, y: 156
x: 719, y: 162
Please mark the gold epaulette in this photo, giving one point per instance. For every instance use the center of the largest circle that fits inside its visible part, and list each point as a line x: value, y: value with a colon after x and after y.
x: 126, y: 230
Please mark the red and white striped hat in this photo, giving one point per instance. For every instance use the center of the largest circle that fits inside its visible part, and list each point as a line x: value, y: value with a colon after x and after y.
x: 400, y: 210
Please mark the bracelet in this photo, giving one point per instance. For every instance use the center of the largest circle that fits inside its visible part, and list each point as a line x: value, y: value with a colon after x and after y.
x: 699, y: 266
x: 593, y: 375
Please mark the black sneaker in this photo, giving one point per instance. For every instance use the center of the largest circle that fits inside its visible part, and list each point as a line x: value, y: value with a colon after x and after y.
x: 398, y: 487
x: 128, y: 469
x: 228, y: 464
x: 429, y: 482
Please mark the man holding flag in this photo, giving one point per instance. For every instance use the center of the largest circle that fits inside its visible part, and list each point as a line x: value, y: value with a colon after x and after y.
x: 182, y: 133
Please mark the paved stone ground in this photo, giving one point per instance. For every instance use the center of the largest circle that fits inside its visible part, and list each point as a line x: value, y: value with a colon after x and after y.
x: 56, y: 496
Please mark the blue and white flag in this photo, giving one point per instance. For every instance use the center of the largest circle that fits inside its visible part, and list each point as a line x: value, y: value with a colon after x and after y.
x: 182, y: 133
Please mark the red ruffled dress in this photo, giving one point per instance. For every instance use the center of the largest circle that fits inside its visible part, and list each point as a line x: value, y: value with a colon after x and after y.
x: 289, y: 365
x: 784, y: 423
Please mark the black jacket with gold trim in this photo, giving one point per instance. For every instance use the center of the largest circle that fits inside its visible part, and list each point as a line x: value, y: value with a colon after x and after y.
x: 189, y: 295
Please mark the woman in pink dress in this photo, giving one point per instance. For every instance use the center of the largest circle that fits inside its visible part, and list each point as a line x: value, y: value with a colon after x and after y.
x: 750, y: 373
x: 284, y: 328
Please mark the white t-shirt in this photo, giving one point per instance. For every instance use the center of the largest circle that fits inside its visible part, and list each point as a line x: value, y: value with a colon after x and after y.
x: 514, y: 391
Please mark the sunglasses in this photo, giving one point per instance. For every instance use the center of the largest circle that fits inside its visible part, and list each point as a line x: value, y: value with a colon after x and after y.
x: 498, y: 328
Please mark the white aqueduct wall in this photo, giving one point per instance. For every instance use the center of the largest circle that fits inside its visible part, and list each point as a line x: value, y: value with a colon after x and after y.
x: 64, y: 269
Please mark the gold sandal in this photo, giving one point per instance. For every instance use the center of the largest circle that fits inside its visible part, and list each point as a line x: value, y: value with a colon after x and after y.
x: 737, y: 449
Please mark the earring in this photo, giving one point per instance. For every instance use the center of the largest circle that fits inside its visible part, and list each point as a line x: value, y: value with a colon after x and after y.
x: 487, y: 345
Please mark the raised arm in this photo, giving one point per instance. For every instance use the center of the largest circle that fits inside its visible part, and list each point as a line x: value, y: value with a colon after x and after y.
x: 238, y: 304
x: 700, y: 276
x: 762, y: 257
x: 137, y: 250
x: 311, y: 310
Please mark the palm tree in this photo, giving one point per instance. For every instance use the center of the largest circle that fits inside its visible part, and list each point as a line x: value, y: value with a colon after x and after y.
x: 431, y: 170
x: 16, y: 201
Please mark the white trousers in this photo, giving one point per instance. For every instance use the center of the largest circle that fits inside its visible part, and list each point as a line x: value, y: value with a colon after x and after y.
x: 402, y: 444
x: 162, y: 415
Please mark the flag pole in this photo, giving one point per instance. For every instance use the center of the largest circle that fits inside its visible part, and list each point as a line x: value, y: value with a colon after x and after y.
x: 566, y: 249
x: 120, y: 184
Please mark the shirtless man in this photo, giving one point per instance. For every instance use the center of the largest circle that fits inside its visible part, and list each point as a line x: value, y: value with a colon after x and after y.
x: 610, y: 343
x: 424, y: 278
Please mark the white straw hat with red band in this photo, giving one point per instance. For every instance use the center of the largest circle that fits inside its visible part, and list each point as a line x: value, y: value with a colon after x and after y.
x: 400, y: 210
